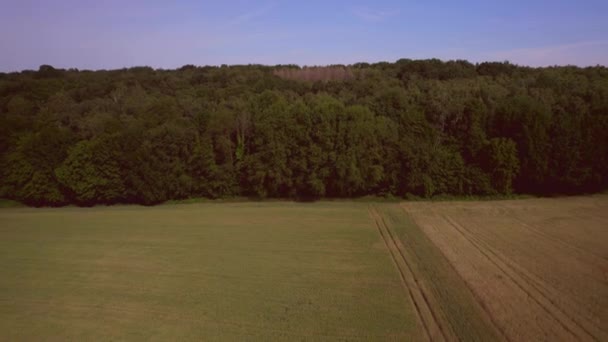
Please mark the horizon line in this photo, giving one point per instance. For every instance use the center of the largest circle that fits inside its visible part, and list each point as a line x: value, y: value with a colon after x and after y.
x: 306, y: 65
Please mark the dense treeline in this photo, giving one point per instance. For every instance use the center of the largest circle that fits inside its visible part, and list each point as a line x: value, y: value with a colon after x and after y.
x: 412, y: 127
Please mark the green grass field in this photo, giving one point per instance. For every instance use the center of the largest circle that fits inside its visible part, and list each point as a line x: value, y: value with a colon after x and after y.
x: 446, y: 271
x: 204, y: 271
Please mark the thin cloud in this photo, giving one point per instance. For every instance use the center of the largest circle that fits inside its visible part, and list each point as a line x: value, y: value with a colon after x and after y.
x: 249, y: 16
x: 373, y: 15
x: 579, y: 53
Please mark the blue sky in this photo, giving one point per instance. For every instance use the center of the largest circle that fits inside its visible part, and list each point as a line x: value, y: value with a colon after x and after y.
x: 107, y: 34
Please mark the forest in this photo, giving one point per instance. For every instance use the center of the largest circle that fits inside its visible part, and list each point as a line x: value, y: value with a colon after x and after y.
x: 411, y: 128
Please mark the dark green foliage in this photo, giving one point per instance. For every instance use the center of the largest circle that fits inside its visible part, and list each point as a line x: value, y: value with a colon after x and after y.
x: 411, y: 128
x: 526, y: 121
x: 91, y: 173
x: 501, y: 164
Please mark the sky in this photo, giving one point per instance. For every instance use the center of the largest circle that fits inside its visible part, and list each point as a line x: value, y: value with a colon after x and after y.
x: 111, y: 34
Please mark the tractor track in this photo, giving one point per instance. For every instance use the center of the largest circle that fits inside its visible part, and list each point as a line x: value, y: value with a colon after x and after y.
x: 492, y: 319
x: 524, y: 283
x: 433, y: 329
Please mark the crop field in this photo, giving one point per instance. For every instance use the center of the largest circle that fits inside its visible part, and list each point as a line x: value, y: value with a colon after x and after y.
x: 538, y: 267
x: 506, y: 270
x: 199, y: 271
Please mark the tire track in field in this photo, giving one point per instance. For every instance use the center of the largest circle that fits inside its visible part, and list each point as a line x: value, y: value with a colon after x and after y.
x: 525, y: 282
x: 539, y: 232
x: 398, y: 244
x: 492, y: 319
x: 548, y: 292
x: 424, y: 312
x: 589, y: 257
x: 534, y: 229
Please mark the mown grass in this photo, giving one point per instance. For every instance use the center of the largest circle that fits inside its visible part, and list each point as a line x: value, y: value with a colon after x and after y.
x: 205, y: 271
x: 455, y: 301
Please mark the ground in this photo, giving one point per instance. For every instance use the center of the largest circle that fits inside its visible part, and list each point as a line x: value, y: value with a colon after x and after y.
x: 539, y: 267
x: 503, y: 270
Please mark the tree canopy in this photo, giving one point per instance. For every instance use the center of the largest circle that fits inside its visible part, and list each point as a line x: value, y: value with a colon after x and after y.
x: 420, y: 127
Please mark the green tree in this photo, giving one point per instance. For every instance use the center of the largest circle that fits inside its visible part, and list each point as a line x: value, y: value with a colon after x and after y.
x: 92, y: 173
x: 502, y: 164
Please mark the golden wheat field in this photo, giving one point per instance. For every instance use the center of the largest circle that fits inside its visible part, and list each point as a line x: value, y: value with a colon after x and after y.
x: 538, y: 268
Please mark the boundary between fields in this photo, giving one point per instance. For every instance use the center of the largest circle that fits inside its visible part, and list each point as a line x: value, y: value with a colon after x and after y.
x: 409, y: 281
x: 490, y: 316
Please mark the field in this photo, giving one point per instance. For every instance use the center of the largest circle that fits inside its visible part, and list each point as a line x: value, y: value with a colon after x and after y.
x: 538, y: 267
x: 506, y: 270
